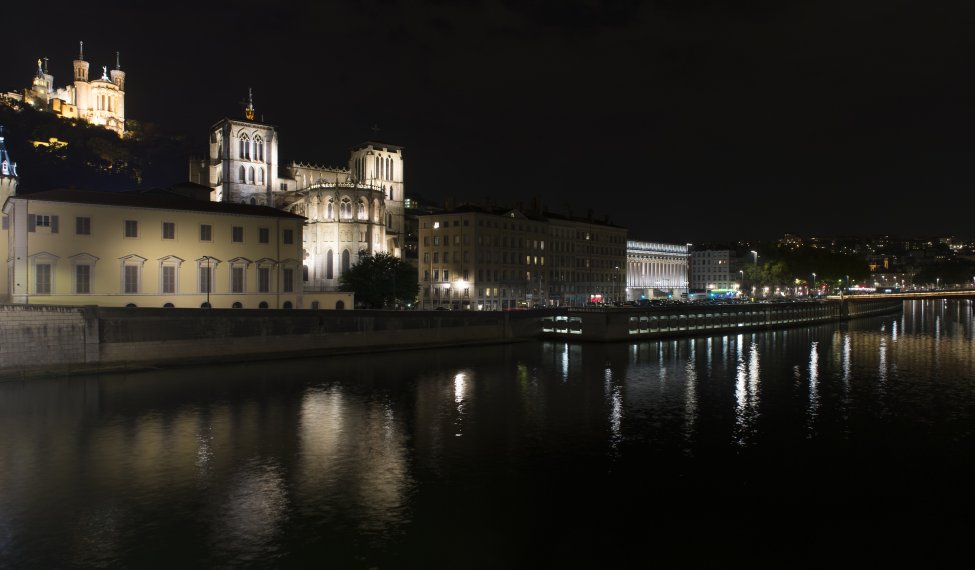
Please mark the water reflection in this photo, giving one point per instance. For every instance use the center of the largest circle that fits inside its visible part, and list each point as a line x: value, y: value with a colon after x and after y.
x: 385, y: 462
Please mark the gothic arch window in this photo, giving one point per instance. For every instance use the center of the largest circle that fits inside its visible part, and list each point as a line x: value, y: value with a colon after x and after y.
x: 243, y: 174
x: 250, y: 175
x: 329, y: 213
x: 260, y: 176
x: 258, y: 148
x: 245, y: 147
x: 375, y: 211
x: 345, y: 260
x: 339, y: 305
x: 389, y: 221
x: 363, y: 210
x: 253, y: 201
x: 392, y: 168
x: 345, y: 209
x: 329, y: 265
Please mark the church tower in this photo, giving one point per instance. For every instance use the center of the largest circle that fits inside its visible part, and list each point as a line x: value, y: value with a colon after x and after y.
x: 380, y: 165
x: 82, y: 89
x: 242, y: 166
x: 8, y: 172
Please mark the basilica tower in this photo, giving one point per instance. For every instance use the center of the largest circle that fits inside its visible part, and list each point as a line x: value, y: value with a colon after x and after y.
x: 8, y: 172
x: 380, y: 165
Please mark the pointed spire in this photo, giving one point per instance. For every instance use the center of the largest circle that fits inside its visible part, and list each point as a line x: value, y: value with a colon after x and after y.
x: 118, y: 64
x: 249, y: 110
x: 81, y: 51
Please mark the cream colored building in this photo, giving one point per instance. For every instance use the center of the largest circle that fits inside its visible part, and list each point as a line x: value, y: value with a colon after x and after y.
x: 153, y: 249
x: 98, y: 101
x: 352, y: 209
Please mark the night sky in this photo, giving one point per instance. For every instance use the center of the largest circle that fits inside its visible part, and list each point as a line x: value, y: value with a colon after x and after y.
x: 685, y: 120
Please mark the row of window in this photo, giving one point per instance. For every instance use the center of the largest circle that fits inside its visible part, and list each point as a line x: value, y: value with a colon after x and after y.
x: 131, y: 279
x: 315, y: 305
x: 248, y: 149
x: 131, y: 229
x: 246, y: 175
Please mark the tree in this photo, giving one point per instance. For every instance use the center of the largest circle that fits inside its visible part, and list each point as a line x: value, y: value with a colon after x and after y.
x: 381, y: 280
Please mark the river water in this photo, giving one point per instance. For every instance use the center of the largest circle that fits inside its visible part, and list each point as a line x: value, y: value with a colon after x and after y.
x: 849, y: 443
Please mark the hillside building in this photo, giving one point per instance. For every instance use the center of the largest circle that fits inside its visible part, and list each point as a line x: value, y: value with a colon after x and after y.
x: 99, y: 101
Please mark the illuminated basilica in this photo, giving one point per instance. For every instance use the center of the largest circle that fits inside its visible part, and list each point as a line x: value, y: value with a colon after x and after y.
x: 348, y: 209
x: 99, y: 101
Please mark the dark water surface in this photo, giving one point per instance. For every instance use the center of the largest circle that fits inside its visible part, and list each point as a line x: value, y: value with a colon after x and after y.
x: 845, y: 445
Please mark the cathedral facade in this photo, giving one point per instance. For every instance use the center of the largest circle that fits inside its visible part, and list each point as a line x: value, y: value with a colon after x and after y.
x: 98, y: 101
x: 352, y: 209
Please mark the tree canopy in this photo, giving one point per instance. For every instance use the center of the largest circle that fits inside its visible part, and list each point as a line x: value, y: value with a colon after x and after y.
x: 381, y: 281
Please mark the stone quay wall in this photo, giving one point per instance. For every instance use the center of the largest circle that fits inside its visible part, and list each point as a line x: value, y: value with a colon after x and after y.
x: 39, y: 339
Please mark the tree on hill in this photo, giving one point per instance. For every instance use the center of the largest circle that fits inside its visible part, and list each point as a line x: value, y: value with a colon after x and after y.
x: 381, y: 281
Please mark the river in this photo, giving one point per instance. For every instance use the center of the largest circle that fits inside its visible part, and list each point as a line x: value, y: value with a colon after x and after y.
x: 846, y: 443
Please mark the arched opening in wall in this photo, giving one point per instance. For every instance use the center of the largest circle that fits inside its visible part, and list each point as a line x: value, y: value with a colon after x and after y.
x: 304, y: 273
x: 168, y: 306
x: 243, y: 175
x: 250, y: 175
x: 339, y: 305
x: 253, y: 201
x: 206, y: 305
x: 329, y: 265
x: 345, y: 261
x: 362, y: 212
x: 263, y: 305
x: 287, y: 305
x: 345, y: 209
x: 389, y: 220
x: 130, y: 306
x: 329, y: 211
x: 315, y: 305
x: 260, y: 176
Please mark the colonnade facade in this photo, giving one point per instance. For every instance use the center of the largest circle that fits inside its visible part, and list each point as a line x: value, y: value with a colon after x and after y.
x: 655, y: 270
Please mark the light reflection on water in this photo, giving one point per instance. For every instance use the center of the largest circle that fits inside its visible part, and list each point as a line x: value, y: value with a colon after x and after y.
x: 387, y: 461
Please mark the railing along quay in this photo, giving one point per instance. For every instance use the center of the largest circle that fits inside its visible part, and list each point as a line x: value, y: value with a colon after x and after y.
x: 629, y: 323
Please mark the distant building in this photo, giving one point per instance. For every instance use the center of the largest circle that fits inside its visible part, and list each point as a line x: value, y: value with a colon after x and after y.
x: 99, y: 101
x: 348, y: 210
x: 494, y: 259
x: 715, y: 269
x: 655, y: 270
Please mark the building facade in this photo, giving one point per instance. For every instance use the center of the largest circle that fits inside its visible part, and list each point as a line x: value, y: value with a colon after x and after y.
x: 98, y: 101
x: 473, y: 258
x: 152, y: 249
x: 359, y: 208
x: 712, y: 269
x: 655, y: 270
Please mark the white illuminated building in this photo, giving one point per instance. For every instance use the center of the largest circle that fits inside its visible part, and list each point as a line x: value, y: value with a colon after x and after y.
x: 98, y: 101
x: 655, y: 270
x: 356, y: 208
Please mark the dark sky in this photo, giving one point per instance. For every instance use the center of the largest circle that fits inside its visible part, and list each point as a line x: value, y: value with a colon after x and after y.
x: 685, y: 120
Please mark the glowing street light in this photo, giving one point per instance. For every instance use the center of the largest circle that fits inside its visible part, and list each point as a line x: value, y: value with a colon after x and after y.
x: 755, y: 253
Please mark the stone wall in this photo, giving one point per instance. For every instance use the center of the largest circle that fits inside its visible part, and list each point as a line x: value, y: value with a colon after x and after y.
x: 46, y: 337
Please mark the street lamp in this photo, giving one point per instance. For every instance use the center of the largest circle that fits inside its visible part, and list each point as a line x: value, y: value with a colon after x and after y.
x: 755, y: 253
x: 937, y: 283
x: 814, y: 280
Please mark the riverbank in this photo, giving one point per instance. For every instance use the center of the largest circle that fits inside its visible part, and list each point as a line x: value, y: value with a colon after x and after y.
x: 38, y: 340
